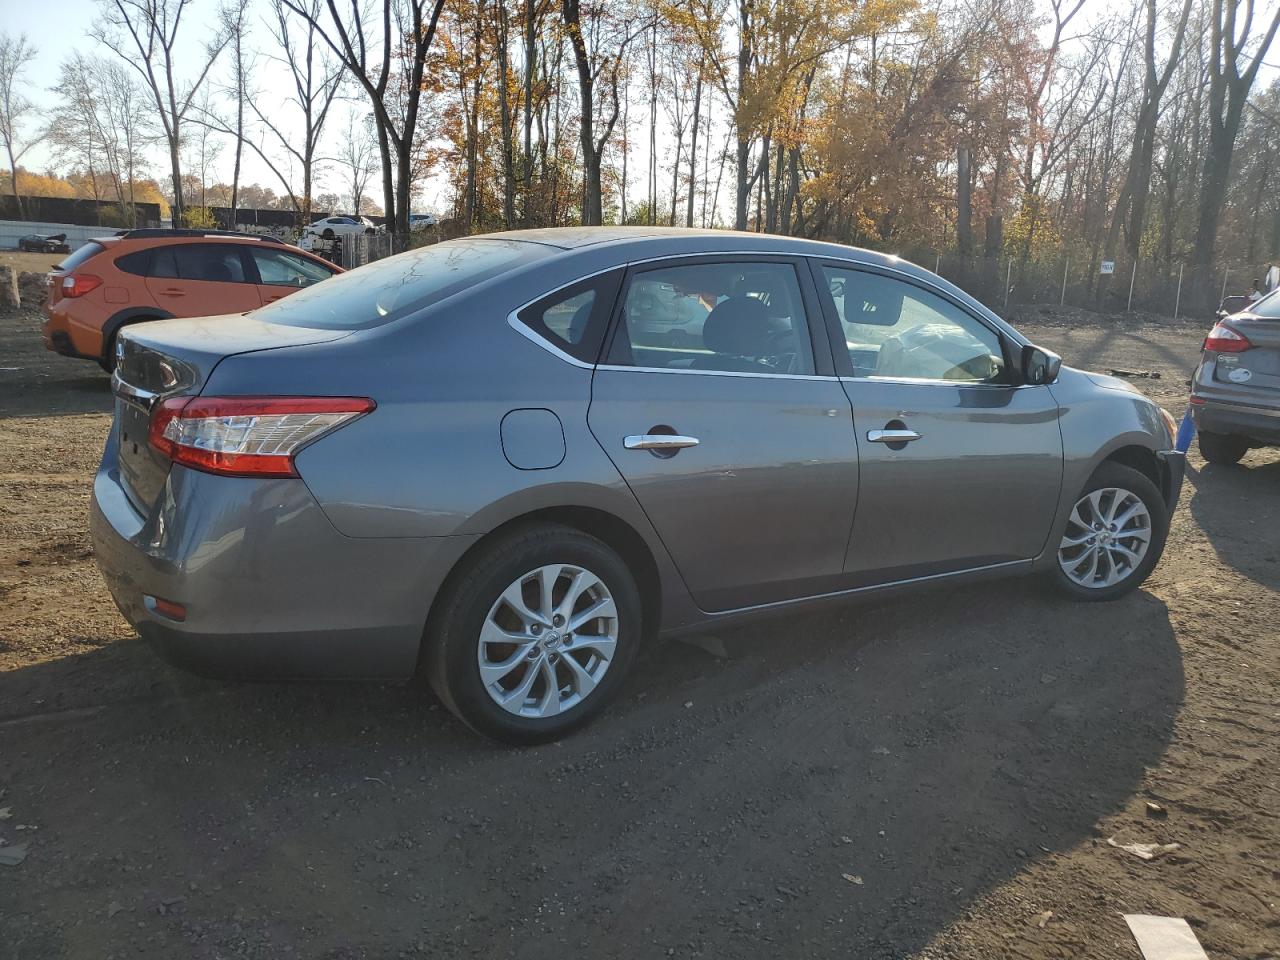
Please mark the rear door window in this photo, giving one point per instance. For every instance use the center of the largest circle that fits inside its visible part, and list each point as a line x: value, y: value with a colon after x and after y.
x: 211, y: 262
x: 724, y: 316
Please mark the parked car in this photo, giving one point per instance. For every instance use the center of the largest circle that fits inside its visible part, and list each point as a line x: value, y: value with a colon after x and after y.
x: 141, y: 275
x: 471, y: 460
x: 1235, y: 391
x: 44, y: 243
x: 335, y: 227
x: 421, y: 221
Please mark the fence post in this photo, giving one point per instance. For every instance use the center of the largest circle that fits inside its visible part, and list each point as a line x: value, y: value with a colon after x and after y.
x: 1132, y: 277
x: 1226, y: 272
x: 937, y: 265
x: 1063, y: 299
x: 1008, y: 275
x: 1177, y: 300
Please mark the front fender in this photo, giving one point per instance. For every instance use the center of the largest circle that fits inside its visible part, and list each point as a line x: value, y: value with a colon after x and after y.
x: 1100, y: 416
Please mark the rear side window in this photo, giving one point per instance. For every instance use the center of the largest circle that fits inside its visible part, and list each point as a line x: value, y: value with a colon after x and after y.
x: 386, y: 290
x: 211, y: 262
x: 88, y: 251
x: 574, y: 319
x: 138, y: 263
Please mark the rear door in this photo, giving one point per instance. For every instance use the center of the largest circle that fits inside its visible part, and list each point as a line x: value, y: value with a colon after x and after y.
x: 202, y: 279
x: 735, y: 438
x: 281, y: 273
x: 961, y: 466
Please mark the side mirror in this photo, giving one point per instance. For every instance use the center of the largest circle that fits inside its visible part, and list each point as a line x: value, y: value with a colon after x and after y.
x: 1039, y: 366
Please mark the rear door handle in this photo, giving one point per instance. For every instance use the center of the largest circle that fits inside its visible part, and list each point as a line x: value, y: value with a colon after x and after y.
x: 170, y: 292
x: 658, y: 441
x: 892, y: 436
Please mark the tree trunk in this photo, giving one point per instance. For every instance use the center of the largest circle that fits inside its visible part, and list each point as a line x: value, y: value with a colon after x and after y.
x: 964, y: 207
x: 693, y: 147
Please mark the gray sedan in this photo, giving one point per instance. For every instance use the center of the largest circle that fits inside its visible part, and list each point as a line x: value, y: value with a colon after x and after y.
x: 482, y: 461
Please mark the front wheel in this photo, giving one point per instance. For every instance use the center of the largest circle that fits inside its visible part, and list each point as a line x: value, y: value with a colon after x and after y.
x: 1114, y: 536
x: 1222, y: 448
x: 535, y: 635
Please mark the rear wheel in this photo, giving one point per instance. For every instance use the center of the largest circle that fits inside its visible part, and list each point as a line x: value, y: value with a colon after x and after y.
x: 1114, y: 536
x: 535, y: 635
x: 1222, y: 448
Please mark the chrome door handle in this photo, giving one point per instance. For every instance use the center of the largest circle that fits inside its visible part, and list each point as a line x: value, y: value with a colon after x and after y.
x: 658, y: 441
x: 892, y: 436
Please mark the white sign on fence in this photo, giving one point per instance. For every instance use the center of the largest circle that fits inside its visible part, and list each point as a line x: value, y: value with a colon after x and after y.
x: 1108, y: 266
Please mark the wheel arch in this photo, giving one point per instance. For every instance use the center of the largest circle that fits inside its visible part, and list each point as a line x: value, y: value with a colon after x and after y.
x: 616, y: 533
x: 123, y: 317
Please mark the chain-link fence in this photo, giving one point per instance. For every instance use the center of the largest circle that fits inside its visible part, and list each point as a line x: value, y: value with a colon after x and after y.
x: 356, y: 250
x: 1149, y: 285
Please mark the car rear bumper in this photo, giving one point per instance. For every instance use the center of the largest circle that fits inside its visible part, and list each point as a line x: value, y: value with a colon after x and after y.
x: 270, y: 588
x: 1258, y: 424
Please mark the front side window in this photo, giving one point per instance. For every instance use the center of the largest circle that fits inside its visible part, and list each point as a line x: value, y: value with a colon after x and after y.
x: 721, y: 316
x: 278, y: 268
x: 212, y: 262
x: 894, y: 329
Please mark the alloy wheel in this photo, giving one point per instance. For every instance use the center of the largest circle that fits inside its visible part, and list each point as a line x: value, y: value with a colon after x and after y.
x: 1106, y: 539
x: 548, y: 641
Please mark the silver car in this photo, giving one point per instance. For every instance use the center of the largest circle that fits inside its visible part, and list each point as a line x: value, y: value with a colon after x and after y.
x: 480, y: 461
x: 1235, y: 392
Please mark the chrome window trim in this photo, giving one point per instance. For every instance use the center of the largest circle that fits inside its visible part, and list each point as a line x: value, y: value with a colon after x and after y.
x: 513, y: 318
x: 618, y: 368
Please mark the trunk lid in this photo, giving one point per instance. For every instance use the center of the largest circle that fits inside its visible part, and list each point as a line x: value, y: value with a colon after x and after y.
x: 166, y: 358
x: 1256, y: 369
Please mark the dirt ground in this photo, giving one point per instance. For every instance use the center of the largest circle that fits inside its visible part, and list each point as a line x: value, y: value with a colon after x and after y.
x: 922, y: 778
x: 30, y: 262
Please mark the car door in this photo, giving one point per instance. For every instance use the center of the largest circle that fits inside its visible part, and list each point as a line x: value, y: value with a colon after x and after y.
x: 202, y: 279
x: 734, y: 440
x: 961, y: 465
x: 281, y: 273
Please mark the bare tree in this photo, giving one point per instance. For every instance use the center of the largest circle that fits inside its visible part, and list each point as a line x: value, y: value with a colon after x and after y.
x: 144, y: 33
x: 236, y: 24
x: 1229, y: 86
x: 357, y: 157
x: 16, y: 53
x: 407, y: 28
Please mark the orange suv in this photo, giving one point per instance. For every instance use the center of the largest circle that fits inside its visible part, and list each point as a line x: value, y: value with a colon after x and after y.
x: 156, y: 274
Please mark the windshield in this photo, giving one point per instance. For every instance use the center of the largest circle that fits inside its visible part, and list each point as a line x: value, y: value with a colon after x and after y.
x: 386, y: 290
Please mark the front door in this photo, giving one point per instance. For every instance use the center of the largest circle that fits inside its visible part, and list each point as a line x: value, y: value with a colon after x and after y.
x: 281, y: 273
x: 961, y: 466
x: 202, y: 280
x: 709, y: 405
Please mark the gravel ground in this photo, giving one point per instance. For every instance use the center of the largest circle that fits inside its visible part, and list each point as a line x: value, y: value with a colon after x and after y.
x: 917, y: 778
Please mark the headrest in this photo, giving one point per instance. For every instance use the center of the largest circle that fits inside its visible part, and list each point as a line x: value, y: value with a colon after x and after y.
x: 738, y: 326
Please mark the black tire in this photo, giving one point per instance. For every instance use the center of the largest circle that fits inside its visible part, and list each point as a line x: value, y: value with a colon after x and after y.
x: 1117, y: 475
x: 108, y: 359
x: 1222, y: 448
x: 328, y: 233
x: 449, y: 658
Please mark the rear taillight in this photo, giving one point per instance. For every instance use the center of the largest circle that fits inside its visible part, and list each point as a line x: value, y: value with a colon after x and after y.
x: 247, y: 436
x: 1222, y: 339
x: 78, y: 284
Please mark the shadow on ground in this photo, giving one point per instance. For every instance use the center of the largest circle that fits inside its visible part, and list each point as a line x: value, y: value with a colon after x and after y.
x: 930, y: 748
x: 1235, y: 506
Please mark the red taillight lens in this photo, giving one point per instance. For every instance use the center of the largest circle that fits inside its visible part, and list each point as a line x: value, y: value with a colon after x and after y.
x: 247, y: 436
x: 78, y: 284
x: 1222, y: 339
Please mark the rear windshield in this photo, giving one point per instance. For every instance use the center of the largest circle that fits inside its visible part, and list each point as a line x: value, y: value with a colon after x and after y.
x: 1268, y: 306
x: 386, y: 290
x: 90, y: 249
